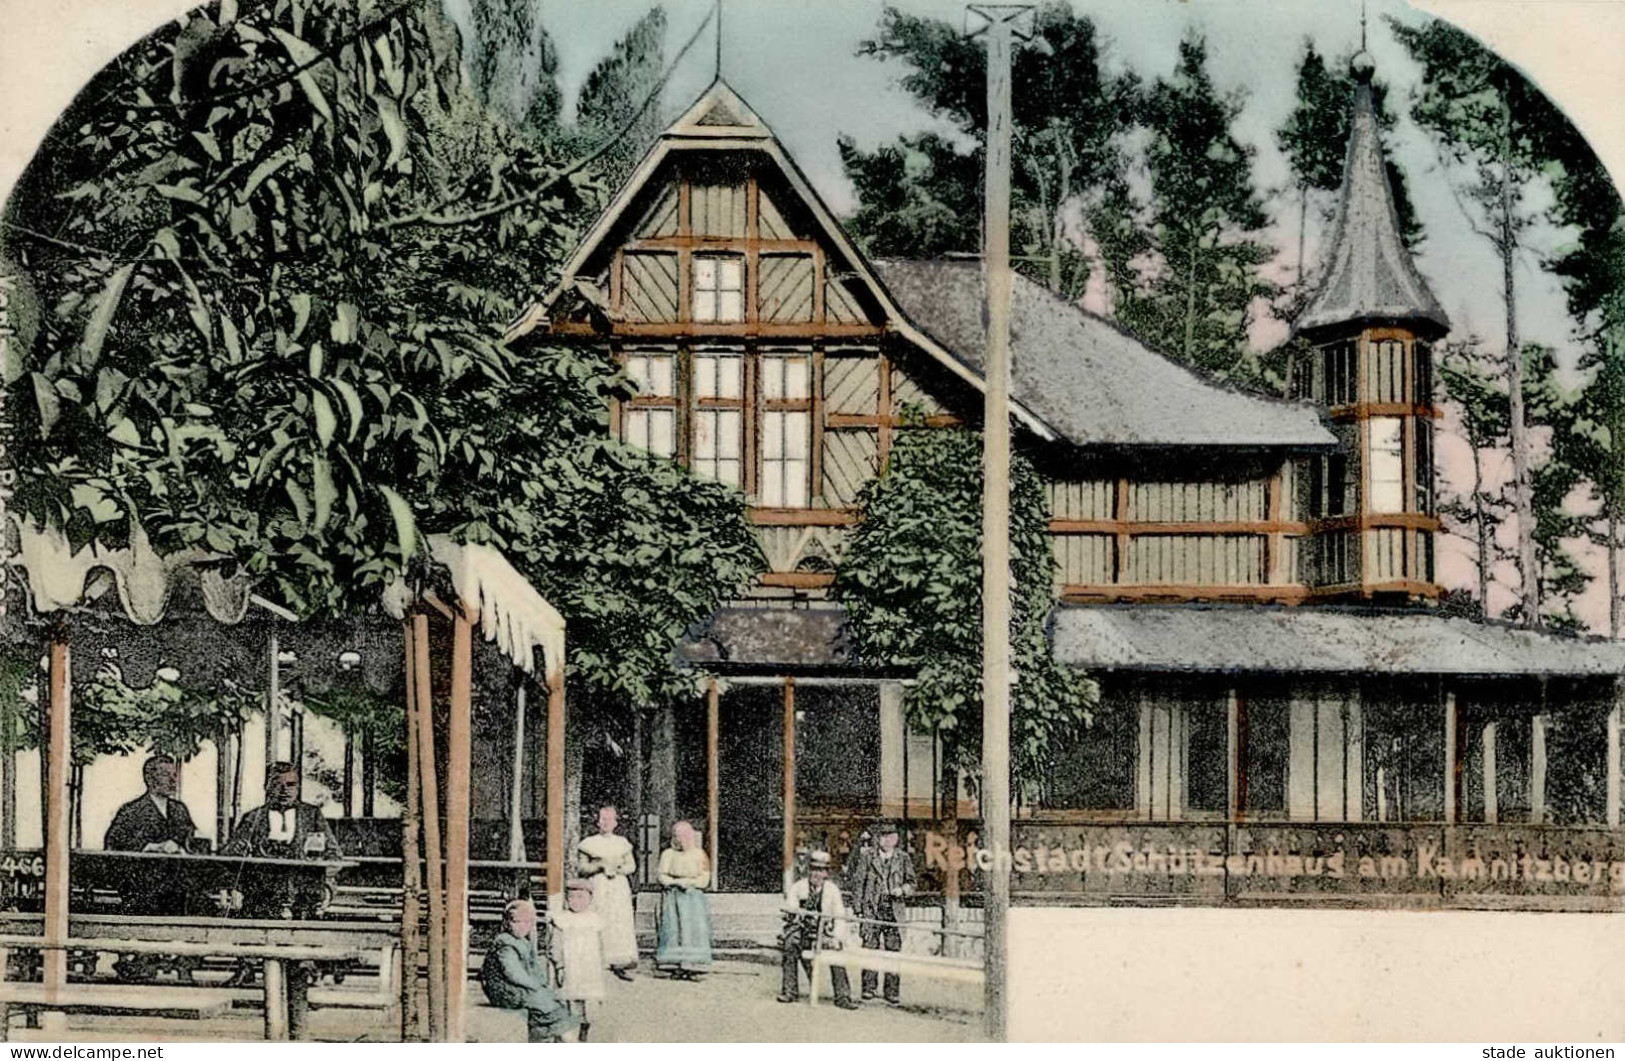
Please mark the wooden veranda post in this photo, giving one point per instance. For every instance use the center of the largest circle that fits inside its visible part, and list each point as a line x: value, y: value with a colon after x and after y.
x: 996, y: 676
x: 713, y: 729
x: 411, y: 870
x: 457, y: 809
x: 516, y: 791
x: 789, y: 726
x: 57, y: 765
x: 555, y: 783
x: 430, y: 790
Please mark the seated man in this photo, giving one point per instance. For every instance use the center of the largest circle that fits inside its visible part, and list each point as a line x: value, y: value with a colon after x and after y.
x: 155, y: 821
x: 513, y: 977
x: 282, y: 827
x: 804, y: 930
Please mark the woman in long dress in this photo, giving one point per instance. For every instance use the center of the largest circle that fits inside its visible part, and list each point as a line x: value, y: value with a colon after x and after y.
x: 607, y: 861
x: 684, y: 941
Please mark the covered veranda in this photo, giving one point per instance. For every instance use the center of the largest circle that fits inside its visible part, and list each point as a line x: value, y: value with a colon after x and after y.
x: 183, y: 610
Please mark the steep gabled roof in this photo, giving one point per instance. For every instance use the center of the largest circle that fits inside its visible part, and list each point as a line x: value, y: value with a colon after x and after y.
x: 1369, y: 277
x: 1094, y: 384
x: 719, y: 121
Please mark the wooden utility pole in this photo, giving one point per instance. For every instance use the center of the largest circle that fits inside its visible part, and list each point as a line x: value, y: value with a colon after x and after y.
x: 273, y: 699
x: 996, y: 676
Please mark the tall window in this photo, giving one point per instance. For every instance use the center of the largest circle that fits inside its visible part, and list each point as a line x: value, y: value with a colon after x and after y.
x: 1422, y: 373
x: 1342, y: 374
x: 649, y: 420
x: 1387, y: 465
x: 1424, y: 466
x: 1336, y: 484
x: 719, y: 417
x: 786, y: 430
x: 719, y: 289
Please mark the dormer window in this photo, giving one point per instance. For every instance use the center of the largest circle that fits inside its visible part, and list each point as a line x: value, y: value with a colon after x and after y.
x: 719, y: 289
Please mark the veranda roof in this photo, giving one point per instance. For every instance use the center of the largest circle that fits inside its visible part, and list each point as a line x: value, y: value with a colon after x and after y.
x: 186, y: 596
x: 1241, y: 639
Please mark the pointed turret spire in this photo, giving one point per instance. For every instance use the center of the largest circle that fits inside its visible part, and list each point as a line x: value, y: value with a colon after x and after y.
x: 1369, y: 277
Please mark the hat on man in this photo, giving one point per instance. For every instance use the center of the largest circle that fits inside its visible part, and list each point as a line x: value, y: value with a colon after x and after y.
x: 883, y: 828
x: 578, y: 885
x: 818, y: 860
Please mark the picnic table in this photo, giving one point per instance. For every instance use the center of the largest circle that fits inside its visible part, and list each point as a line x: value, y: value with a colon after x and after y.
x: 286, y: 1000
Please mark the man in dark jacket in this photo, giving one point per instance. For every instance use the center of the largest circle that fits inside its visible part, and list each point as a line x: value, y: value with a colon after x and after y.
x: 882, y: 880
x: 155, y: 820
x: 282, y: 827
x: 514, y: 978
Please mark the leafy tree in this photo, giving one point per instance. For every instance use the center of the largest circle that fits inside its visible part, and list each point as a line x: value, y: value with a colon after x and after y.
x: 1315, y: 141
x: 1477, y: 391
x: 1197, y: 300
x: 911, y: 581
x: 1489, y: 124
x: 378, y: 723
x: 302, y: 269
x: 921, y: 195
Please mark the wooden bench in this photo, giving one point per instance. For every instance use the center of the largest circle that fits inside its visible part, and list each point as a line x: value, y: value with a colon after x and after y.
x: 285, y: 997
x: 934, y: 966
x: 181, y: 1003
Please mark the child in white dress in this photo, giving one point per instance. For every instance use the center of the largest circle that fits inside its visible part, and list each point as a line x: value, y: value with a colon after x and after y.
x: 578, y: 952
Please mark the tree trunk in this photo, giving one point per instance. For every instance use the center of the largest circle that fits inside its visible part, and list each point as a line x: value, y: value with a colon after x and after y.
x: 76, y: 793
x: 1523, y: 498
x: 349, y: 771
x: 237, y: 773
x: 1611, y: 552
x: 369, y: 772
x: 1482, y: 523
x: 222, y: 784
x: 8, y: 783
x: 574, y: 758
x: 1190, y: 305
x: 1303, y: 221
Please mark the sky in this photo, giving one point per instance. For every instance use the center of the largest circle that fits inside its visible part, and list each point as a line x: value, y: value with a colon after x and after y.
x: 797, y: 66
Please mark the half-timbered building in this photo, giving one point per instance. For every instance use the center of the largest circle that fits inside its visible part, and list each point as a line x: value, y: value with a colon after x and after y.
x: 1251, y: 579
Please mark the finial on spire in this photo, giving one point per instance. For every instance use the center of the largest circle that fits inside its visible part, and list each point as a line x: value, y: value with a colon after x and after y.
x: 719, y: 41
x: 1362, y: 66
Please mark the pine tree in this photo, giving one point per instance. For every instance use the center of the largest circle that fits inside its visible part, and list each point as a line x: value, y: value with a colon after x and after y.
x: 1489, y: 122
x: 616, y: 89
x: 513, y: 64
x: 1071, y: 207
x: 1477, y: 391
x: 1197, y: 301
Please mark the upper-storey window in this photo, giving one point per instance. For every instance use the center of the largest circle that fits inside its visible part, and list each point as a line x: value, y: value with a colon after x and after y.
x: 650, y: 419
x: 719, y: 288
x: 786, y: 429
x: 1421, y: 373
x: 719, y: 416
x: 1342, y: 373
x: 1387, y: 464
x: 1424, y: 466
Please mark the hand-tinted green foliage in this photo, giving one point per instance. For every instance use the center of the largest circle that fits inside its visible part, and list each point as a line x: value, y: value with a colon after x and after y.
x: 911, y: 581
x: 1197, y: 301
x: 306, y: 236
x: 615, y: 90
x: 921, y: 196
x: 1477, y: 390
x: 513, y: 64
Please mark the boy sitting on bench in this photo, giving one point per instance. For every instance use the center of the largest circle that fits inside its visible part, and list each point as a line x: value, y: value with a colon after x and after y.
x: 514, y: 977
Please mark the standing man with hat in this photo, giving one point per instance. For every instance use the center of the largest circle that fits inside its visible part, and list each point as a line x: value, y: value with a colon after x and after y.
x: 884, y: 877
x: 814, y: 915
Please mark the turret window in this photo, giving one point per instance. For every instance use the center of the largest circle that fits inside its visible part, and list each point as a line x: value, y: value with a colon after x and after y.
x: 1342, y: 374
x: 1424, y: 467
x: 1387, y: 469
